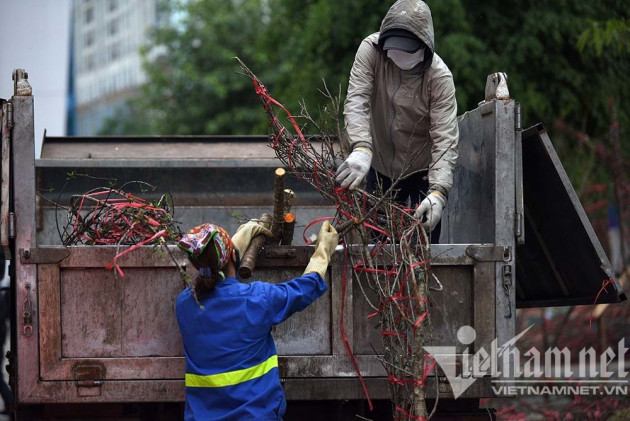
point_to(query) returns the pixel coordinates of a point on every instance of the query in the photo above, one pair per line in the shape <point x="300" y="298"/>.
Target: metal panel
<point x="23" y="179"/>
<point x="450" y="309"/>
<point x="207" y="187"/>
<point x="519" y="228"/>
<point x="159" y="152"/>
<point x="126" y="325"/>
<point x="90" y="320"/>
<point x="469" y="216"/>
<point x="5" y="173"/>
<point x="119" y="317"/>
<point x="308" y="332"/>
<point x="482" y="204"/>
<point x="228" y="217"/>
<point x="505" y="216"/>
<point x="562" y="261"/>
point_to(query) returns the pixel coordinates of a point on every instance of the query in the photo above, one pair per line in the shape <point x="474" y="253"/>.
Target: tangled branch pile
<point x="108" y="216"/>
<point x="391" y="260"/>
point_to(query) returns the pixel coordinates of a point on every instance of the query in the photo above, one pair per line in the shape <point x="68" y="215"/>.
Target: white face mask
<point x="404" y="60"/>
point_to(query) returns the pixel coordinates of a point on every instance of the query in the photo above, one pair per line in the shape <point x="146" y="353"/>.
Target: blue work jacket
<point x="231" y="358"/>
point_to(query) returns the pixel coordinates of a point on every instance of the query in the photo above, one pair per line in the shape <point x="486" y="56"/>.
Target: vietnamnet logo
<point x="552" y="372"/>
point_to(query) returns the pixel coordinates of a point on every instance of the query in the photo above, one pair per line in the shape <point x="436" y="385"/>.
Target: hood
<point x="413" y="16"/>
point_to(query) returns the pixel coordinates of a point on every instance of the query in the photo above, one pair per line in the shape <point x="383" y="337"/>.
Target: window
<point x="89" y="15"/>
<point x="89" y="38"/>
<point x="112" y="5"/>
<point x="89" y="62"/>
<point x="114" y="51"/>
<point x="113" y="26"/>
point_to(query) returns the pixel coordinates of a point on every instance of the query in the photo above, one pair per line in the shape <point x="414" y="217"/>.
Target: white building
<point x="107" y="68"/>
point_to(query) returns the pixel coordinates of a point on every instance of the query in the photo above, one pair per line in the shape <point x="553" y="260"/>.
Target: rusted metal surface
<point x="89" y="378"/>
<point x="5" y="171"/>
<point x="308" y="332"/>
<point x="100" y="256"/>
<point x="23" y="179"/>
<point x="120" y="317"/>
<point x="159" y="152"/>
<point x="504" y="210"/>
<point x="490" y="253"/>
<point x="284" y="256"/>
<point x="519" y="223"/>
<point x="280" y="253"/>
<point x="43" y="255"/>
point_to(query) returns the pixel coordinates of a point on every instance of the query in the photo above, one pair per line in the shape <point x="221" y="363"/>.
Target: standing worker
<point x="401" y="115"/>
<point x="231" y="358"/>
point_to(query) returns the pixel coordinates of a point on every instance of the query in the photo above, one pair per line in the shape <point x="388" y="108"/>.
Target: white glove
<point x="246" y="232"/>
<point x="327" y="240"/>
<point x="431" y="209"/>
<point x="354" y="168"/>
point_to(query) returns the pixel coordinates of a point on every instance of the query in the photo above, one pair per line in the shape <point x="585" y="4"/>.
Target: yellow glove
<point x="327" y="240"/>
<point x="246" y="232"/>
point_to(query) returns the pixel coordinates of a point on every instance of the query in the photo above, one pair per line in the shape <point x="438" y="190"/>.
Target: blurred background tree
<point x="567" y="63"/>
<point x="563" y="59"/>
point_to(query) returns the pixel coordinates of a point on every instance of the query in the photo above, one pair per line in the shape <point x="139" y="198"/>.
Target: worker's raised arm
<point x="357" y="108"/>
<point x="444" y="133"/>
<point x="295" y="295"/>
<point x="357" y="113"/>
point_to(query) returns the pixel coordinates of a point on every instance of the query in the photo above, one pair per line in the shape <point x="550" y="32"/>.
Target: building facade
<point x="106" y="66"/>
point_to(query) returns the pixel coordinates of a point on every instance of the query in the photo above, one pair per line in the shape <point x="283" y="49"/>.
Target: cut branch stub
<point x="248" y="261"/>
<point x="288" y="229"/>
<point x="289" y="197"/>
<point x="278" y="206"/>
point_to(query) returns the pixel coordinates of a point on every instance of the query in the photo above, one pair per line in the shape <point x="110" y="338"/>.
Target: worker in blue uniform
<point x="231" y="358"/>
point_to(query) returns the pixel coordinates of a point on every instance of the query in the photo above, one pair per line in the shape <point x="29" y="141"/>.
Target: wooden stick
<point x="289" y="197"/>
<point x="278" y="206"/>
<point x="287" y="229"/>
<point x="346" y="226"/>
<point x="248" y="261"/>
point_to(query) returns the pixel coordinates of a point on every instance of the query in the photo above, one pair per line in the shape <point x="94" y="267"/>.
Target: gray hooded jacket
<point x="408" y="118"/>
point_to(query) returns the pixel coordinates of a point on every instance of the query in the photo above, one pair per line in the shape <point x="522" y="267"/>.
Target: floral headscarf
<point x="196" y="239"/>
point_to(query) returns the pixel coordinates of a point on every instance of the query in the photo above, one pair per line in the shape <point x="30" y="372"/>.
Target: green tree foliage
<point x="537" y="44"/>
<point x="194" y="87"/>
<point x="309" y="42"/>
<point x="611" y="33"/>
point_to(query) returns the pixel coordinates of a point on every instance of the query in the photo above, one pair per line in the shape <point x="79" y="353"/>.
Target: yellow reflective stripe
<point x="231" y="378"/>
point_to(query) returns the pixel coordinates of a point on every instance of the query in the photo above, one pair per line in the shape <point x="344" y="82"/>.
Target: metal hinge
<point x="517" y="118"/>
<point x="27" y="312"/>
<point x="9" y="114"/>
<point x="43" y="255"/>
<point x="279" y="253"/>
<point x="518" y="225"/>
<point x="482" y="253"/>
<point x="11" y="224"/>
<point x="507" y="286"/>
<point x="89" y="378"/>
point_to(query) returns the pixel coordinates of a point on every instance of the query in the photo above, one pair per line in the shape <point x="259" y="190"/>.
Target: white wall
<point x="35" y="36"/>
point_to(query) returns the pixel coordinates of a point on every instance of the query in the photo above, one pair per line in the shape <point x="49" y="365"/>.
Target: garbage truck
<point x="85" y="341"/>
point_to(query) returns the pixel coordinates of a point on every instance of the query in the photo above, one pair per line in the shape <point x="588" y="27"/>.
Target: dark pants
<point x="413" y="188"/>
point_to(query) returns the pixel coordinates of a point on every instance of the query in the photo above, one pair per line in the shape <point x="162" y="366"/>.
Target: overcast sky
<point x="35" y="36"/>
